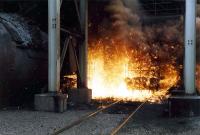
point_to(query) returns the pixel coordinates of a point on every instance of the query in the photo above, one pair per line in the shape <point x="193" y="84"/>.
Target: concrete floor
<point x="148" y="121"/>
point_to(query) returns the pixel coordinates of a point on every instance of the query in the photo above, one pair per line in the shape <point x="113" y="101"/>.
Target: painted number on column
<point x="54" y="23"/>
<point x="190" y="42"/>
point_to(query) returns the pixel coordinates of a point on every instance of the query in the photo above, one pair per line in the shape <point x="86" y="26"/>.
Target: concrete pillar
<point x="54" y="45"/>
<point x="84" y="47"/>
<point x="190" y="47"/>
<point x="53" y="101"/>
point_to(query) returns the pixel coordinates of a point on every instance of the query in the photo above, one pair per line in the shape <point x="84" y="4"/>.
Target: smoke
<point x="198" y="48"/>
<point x="198" y="10"/>
<point x="122" y="19"/>
<point x="162" y="41"/>
<point x="158" y="46"/>
<point x="150" y="51"/>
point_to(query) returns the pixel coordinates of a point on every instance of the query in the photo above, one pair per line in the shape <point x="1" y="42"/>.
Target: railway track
<point x="84" y="118"/>
<point x="88" y="116"/>
<point x="125" y="121"/>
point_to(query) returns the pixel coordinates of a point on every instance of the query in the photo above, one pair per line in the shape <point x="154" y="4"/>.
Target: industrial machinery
<point x="23" y="60"/>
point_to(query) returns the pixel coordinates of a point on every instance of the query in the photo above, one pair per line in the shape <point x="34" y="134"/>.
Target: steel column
<point x="54" y="45"/>
<point x="190" y="47"/>
<point x="84" y="47"/>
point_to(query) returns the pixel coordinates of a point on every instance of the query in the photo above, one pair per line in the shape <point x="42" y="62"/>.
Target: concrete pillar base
<point x="51" y="102"/>
<point x="80" y="96"/>
<point x="184" y="106"/>
<point x="177" y="92"/>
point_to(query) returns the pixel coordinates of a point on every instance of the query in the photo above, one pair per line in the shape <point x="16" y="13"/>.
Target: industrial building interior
<point x="99" y="67"/>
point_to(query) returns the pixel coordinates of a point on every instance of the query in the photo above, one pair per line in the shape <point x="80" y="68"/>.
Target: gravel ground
<point x="101" y="124"/>
<point x="151" y="121"/>
<point x="148" y="121"/>
<point x="35" y="123"/>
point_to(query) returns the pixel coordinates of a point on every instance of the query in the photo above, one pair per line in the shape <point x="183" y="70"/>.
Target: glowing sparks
<point x="131" y="62"/>
<point x="108" y="74"/>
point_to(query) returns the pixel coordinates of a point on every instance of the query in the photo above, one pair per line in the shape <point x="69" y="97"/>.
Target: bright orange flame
<point x="117" y="73"/>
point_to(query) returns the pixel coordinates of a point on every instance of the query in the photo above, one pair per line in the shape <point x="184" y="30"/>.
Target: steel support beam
<point x="190" y="47"/>
<point x="84" y="47"/>
<point x="54" y="45"/>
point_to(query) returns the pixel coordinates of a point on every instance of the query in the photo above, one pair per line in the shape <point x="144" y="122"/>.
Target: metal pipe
<point x="54" y="45"/>
<point x="64" y="51"/>
<point x="190" y="47"/>
<point x="77" y="11"/>
<point x="74" y="34"/>
<point x="84" y="47"/>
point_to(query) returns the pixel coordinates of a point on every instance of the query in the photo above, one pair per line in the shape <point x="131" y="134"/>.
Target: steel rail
<point x="84" y="118"/>
<point x="116" y="130"/>
<point x="121" y="125"/>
